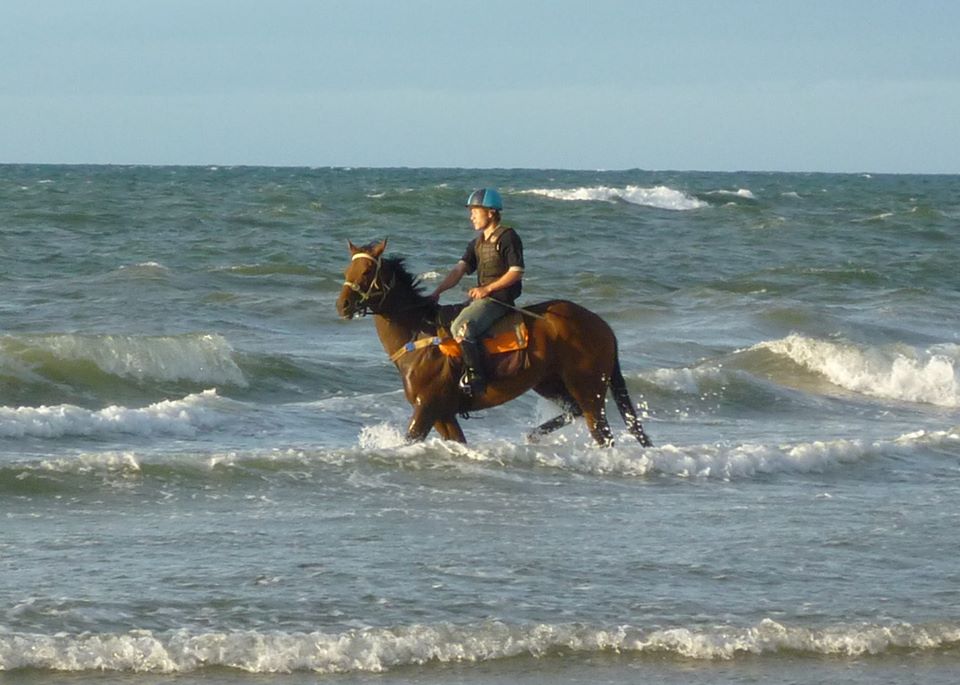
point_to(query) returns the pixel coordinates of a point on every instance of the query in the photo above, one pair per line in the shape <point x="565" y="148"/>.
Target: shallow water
<point x="203" y="476"/>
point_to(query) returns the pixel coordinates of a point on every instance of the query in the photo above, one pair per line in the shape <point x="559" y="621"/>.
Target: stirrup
<point x="472" y="385"/>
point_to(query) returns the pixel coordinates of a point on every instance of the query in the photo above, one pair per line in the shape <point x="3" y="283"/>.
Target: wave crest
<point x="200" y="358"/>
<point x="897" y="372"/>
<point x="660" y="197"/>
<point x="182" y="417"/>
<point x="721" y="461"/>
<point x="375" y="650"/>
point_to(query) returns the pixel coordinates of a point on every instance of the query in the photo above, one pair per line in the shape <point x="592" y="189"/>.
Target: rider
<point x="496" y="254"/>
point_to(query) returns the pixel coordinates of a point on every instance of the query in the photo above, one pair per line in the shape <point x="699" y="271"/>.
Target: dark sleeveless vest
<point x="489" y="265"/>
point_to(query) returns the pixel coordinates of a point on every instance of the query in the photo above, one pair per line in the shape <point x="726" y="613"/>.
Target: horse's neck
<point x="403" y="318"/>
<point x="392" y="335"/>
<point x="396" y="331"/>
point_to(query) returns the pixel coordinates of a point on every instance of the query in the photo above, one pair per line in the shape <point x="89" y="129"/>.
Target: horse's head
<point x="363" y="287"/>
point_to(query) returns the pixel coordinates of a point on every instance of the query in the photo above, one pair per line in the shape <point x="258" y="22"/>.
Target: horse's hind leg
<point x="599" y="427"/>
<point x="622" y="397"/>
<point x="591" y="395"/>
<point x="555" y="391"/>
<point x="553" y="424"/>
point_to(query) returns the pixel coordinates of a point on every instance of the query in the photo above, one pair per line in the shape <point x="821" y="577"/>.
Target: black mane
<point x="410" y="284"/>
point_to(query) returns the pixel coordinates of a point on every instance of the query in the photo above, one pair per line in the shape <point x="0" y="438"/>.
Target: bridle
<point x="365" y="303"/>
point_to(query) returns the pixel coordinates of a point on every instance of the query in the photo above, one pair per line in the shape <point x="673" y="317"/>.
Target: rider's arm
<point x="512" y="276"/>
<point x="451" y="279"/>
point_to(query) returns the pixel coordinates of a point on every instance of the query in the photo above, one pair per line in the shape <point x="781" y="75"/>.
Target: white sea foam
<point x="722" y="461"/>
<point x="201" y="358"/>
<point x="744" y="193"/>
<point x="98" y="462"/>
<point x="375" y="650"/>
<point x="385" y="443"/>
<point x="876" y="217"/>
<point x="718" y="461"/>
<point x="898" y="372"/>
<point x="381" y="436"/>
<point x="184" y="417"/>
<point x="660" y="197"/>
<point x="147" y="266"/>
<point x="686" y="380"/>
<point x="936" y="439"/>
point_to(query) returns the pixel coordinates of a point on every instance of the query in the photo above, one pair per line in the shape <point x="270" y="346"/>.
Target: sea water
<point x="204" y="477"/>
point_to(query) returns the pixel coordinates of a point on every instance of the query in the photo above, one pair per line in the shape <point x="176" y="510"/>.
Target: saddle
<point x="505" y="342"/>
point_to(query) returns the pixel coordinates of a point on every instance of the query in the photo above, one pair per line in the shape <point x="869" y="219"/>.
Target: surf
<point x="184" y="417"/>
<point x="658" y="197"/>
<point x="379" y="650"/>
<point x="888" y="372"/>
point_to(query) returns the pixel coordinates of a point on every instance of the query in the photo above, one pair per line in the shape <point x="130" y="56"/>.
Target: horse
<point x="572" y="354"/>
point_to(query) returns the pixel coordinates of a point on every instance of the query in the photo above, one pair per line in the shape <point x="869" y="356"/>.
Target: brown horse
<point x="572" y="354"/>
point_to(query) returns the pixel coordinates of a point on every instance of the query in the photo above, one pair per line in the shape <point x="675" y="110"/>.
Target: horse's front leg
<point x="449" y="429"/>
<point x="431" y="390"/>
<point x="420" y="425"/>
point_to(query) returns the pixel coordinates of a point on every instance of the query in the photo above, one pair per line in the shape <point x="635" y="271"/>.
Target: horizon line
<point x="212" y="166"/>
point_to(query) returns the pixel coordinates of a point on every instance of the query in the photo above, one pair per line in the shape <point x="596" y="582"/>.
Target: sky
<point x="712" y="85"/>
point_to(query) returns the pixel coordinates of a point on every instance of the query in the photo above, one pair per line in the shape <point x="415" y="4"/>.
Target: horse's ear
<point x="353" y="248"/>
<point x="378" y="249"/>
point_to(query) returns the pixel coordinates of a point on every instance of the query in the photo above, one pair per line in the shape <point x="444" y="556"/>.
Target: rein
<point x="375" y="284"/>
<point x="527" y="312"/>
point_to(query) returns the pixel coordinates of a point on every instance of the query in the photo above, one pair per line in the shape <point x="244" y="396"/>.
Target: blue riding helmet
<point x="485" y="197"/>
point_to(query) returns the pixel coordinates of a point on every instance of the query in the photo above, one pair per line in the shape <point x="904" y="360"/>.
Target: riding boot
<point x="472" y="382"/>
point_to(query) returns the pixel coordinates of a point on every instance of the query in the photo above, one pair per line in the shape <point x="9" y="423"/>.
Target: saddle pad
<point x="508" y="334"/>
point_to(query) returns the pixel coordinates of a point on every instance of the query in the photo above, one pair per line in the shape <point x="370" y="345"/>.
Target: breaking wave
<point x="200" y="358"/>
<point x="382" y="446"/>
<point x="184" y="417"/>
<point x="720" y="461"/>
<point x="896" y="372"/>
<point x="660" y="197"/>
<point x="375" y="650"/>
<point x="742" y="193"/>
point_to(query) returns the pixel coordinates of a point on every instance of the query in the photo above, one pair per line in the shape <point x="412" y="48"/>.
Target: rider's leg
<point x="467" y="329"/>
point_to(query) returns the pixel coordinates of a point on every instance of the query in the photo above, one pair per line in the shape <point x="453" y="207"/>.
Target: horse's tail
<point x="622" y="397"/>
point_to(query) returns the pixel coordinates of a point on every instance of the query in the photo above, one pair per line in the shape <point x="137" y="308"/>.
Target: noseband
<point x="376" y="287"/>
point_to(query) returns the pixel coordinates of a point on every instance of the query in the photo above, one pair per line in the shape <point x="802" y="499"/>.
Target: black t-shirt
<point x="510" y="251"/>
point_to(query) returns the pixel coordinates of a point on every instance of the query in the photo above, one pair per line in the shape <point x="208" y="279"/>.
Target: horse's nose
<point x="344" y="307"/>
